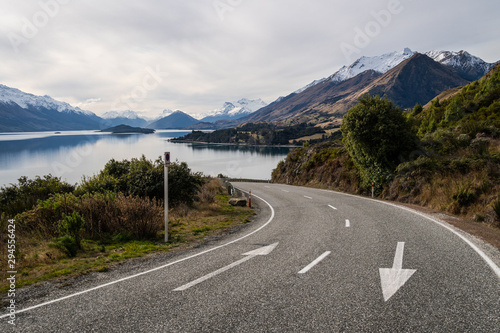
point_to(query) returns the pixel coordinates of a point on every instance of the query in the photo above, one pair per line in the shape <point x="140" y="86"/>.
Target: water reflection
<point x="46" y="144"/>
<point x="71" y="155"/>
<point x="264" y="150"/>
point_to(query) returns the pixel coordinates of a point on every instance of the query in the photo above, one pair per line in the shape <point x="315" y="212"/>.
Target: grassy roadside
<point x="40" y="260"/>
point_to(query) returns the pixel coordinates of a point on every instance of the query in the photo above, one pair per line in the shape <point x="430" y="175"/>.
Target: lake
<point x="73" y="154"/>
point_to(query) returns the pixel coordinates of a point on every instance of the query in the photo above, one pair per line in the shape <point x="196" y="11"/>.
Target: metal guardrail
<point x="247" y="180"/>
<point x="235" y="192"/>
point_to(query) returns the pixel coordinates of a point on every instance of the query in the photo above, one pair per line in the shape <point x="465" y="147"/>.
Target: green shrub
<point x="67" y="244"/>
<point x="100" y="183"/>
<point x="17" y="198"/>
<point x="182" y="184"/>
<point x="72" y="225"/>
<point x="145" y="178"/>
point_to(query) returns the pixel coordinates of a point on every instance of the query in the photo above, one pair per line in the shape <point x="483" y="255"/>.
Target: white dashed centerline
<point x="347" y="223"/>
<point x="332" y="207"/>
<point x="305" y="196"/>
<point x="314" y="263"/>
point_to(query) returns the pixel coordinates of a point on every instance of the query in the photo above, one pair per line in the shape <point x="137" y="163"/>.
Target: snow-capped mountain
<point x="20" y="111"/>
<point x="166" y="113"/>
<point x="315" y="82"/>
<point x="405" y="77"/>
<point x="128" y="114"/>
<point x="234" y="110"/>
<point x="381" y="64"/>
<point x="26" y="101"/>
<point x="468" y="66"/>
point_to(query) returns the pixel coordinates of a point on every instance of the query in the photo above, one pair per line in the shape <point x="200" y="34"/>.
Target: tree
<point x="417" y="109"/>
<point x="378" y="137"/>
<point x="17" y="198"/>
<point x="182" y="183"/>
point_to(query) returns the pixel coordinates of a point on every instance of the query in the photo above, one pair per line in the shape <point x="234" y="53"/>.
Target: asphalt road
<point x="314" y="261"/>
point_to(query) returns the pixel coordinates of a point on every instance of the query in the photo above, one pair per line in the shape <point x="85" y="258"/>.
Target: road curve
<point x="314" y="261"/>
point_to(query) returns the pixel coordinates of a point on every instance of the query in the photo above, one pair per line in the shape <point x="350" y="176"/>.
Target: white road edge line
<point x="483" y="255"/>
<point x="347" y="223"/>
<point x="151" y="270"/>
<point x="332" y="207"/>
<point x="314" y="263"/>
<point x="305" y="196"/>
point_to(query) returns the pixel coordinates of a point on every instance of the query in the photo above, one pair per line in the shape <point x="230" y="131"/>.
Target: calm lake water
<point x="72" y="154"/>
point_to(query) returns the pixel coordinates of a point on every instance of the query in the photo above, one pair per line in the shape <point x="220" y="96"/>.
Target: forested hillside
<point x="261" y="134"/>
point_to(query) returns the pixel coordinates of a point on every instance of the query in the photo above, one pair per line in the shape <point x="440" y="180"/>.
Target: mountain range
<point x="21" y="112"/>
<point x="406" y="77"/>
<point x="234" y="110"/>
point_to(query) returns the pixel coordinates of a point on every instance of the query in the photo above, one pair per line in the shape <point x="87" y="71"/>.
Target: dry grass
<point x="38" y="260"/>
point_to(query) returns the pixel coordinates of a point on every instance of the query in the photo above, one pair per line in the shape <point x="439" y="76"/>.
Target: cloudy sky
<point x="193" y="55"/>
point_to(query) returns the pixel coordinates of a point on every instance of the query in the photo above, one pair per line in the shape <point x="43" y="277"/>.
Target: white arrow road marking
<point x="332" y="207"/>
<point x="394" y="278"/>
<point x="314" y="263"/>
<point x="263" y="251"/>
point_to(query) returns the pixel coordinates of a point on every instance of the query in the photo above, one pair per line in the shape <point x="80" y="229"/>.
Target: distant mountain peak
<point x="128" y="114"/>
<point x="407" y="50"/>
<point x="465" y="64"/>
<point x="234" y="110"/>
<point x="416" y="79"/>
<point x="27" y="100"/>
<point x="381" y="64"/>
<point x="175" y="120"/>
<point x="20" y="111"/>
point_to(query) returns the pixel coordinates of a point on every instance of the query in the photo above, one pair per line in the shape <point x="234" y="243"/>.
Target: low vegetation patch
<point x="64" y="230"/>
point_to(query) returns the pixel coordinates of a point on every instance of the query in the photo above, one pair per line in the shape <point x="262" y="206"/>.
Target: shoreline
<point x="233" y="144"/>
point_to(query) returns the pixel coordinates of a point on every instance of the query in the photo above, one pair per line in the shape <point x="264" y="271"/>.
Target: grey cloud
<point x="259" y="49"/>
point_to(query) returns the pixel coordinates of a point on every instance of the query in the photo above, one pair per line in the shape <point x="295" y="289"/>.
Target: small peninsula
<point x="125" y="129"/>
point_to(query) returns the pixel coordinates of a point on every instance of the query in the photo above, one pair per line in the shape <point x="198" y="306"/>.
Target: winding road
<point x="314" y="261"/>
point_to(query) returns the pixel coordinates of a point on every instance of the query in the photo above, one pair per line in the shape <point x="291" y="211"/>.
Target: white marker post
<point x="165" y="201"/>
